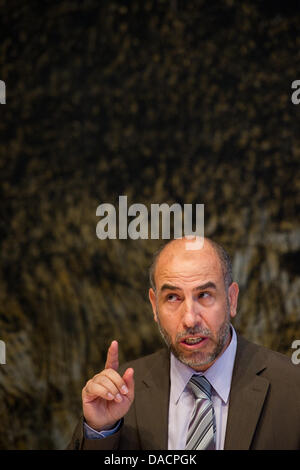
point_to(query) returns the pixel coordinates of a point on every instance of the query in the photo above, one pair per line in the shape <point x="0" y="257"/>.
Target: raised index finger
<point x="112" y="360"/>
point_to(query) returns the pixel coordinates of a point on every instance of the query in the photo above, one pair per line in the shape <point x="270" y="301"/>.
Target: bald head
<point x="176" y="249"/>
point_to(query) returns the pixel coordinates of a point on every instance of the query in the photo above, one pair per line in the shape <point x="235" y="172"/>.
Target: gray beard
<point x="200" y="358"/>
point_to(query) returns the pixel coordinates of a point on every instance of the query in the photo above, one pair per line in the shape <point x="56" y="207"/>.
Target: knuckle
<point x="110" y="374"/>
<point x="97" y="375"/>
<point x="90" y="384"/>
<point x="87" y="385"/>
<point x="85" y="390"/>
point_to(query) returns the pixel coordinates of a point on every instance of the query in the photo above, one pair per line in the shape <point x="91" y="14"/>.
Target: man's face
<point x="191" y="305"/>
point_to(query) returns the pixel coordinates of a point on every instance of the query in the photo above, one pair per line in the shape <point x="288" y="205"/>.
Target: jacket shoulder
<point x="273" y="364"/>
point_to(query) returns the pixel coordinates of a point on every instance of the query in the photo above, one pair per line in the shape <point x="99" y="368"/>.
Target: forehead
<point x="178" y="265"/>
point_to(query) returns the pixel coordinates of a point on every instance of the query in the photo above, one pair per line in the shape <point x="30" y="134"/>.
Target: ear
<point x="233" y="293"/>
<point x="152" y="298"/>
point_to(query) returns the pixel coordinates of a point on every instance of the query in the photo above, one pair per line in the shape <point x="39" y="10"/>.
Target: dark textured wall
<point x="162" y="101"/>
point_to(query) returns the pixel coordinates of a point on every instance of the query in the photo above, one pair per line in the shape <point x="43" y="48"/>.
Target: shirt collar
<point x="219" y="374"/>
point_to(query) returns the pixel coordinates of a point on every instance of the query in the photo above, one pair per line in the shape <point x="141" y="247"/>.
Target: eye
<point x="172" y="297"/>
<point x="206" y="298"/>
<point x="204" y="295"/>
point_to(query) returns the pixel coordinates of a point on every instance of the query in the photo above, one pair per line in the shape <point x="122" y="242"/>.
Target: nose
<point x="191" y="315"/>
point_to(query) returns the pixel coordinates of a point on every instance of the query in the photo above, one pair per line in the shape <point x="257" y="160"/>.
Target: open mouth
<point x="193" y="341"/>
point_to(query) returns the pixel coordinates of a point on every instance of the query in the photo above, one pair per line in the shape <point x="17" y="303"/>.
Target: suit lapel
<point x="152" y="403"/>
<point x="247" y="396"/>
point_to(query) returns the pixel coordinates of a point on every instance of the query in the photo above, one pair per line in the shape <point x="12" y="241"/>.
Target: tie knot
<point x="200" y="386"/>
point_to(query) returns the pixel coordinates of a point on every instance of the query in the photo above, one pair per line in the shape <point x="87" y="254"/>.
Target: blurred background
<point x="161" y="101"/>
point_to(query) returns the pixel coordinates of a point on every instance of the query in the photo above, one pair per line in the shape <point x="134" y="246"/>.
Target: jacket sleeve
<point x="79" y="442"/>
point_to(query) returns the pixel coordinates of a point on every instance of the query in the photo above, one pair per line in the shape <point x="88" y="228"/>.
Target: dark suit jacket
<point x="264" y="404"/>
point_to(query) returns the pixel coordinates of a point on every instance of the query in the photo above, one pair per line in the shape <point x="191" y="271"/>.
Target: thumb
<point x="128" y="378"/>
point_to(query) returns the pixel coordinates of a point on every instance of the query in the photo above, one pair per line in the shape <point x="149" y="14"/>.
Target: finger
<point x="111" y="387"/>
<point x="112" y="360"/>
<point x="114" y="378"/>
<point x="93" y="390"/>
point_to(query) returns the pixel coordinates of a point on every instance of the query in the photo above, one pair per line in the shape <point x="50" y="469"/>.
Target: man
<point x="211" y="389"/>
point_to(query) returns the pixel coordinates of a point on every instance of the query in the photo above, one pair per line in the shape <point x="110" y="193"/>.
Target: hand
<point x="107" y="397"/>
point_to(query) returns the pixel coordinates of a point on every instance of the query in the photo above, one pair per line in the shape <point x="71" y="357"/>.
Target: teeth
<point x="193" y="340"/>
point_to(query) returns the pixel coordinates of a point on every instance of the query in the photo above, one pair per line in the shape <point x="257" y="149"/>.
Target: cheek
<point x="169" y="321"/>
<point x="221" y="316"/>
<point x="215" y="317"/>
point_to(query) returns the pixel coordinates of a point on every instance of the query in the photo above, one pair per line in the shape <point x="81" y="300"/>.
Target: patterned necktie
<point x="202" y="429"/>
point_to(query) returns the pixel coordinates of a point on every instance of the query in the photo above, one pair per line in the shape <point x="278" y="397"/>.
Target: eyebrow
<point x="207" y="285"/>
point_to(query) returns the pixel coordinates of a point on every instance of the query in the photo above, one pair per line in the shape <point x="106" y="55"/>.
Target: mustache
<point x="194" y="331"/>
